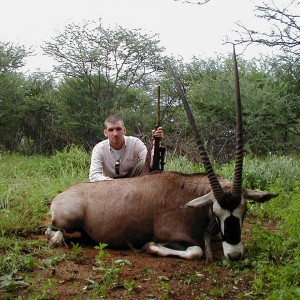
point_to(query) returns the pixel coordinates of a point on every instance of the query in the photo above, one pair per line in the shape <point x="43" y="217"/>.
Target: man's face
<point x="115" y="134"/>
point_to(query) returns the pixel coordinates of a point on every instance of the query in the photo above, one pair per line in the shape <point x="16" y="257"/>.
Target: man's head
<point x="115" y="130"/>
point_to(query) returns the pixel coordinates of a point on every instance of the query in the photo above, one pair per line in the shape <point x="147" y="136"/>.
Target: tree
<point x="11" y="93"/>
<point x="270" y="100"/>
<point x="84" y="106"/>
<point x="124" y="57"/>
<point x="100" y="68"/>
<point x="284" y="30"/>
<point x="39" y="116"/>
<point x="84" y="110"/>
<point x="11" y="57"/>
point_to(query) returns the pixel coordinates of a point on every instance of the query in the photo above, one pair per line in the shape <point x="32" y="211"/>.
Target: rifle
<point x="159" y="151"/>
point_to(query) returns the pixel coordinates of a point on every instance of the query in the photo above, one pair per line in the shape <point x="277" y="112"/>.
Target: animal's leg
<point x="55" y="238"/>
<point x="192" y="252"/>
<point x="212" y="229"/>
<point x="130" y="246"/>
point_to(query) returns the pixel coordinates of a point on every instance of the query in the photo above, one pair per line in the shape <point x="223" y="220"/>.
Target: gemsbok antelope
<point x="166" y="213"/>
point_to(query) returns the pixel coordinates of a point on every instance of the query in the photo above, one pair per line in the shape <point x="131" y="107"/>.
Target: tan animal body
<point x="153" y="208"/>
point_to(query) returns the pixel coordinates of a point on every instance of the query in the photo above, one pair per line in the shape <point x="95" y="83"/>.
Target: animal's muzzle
<point x="235" y="256"/>
<point x="233" y="252"/>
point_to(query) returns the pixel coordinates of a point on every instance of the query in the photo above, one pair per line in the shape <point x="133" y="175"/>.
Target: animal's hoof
<point x="49" y="233"/>
<point x="149" y="248"/>
<point x="153" y="248"/>
<point x="194" y="252"/>
<point x="56" y="240"/>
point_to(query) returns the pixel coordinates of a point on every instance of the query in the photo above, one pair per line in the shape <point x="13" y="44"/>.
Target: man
<point x="119" y="155"/>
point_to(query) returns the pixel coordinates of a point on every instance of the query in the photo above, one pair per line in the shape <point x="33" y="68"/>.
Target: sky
<point x="184" y="29"/>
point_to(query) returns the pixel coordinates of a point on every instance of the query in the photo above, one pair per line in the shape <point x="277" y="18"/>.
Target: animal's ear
<point x="259" y="196"/>
<point x="201" y="201"/>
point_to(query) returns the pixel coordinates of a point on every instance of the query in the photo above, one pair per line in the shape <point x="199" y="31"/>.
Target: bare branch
<point x="284" y="33"/>
<point x="194" y="2"/>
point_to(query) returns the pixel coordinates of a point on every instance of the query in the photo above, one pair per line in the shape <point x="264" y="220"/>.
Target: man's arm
<point x="96" y="167"/>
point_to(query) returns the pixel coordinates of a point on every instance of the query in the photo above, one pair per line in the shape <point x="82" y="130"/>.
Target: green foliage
<point x="76" y="253"/>
<point x="182" y="164"/>
<point x="39" y="110"/>
<point x="29" y="183"/>
<point x="11" y="57"/>
<point x="270" y="105"/>
<point x="9" y="284"/>
<point x="86" y="104"/>
<point x="11" y="95"/>
<point x="53" y="260"/>
<point x="72" y="162"/>
<point x="108" y="270"/>
<point x="164" y="287"/>
<point x="129" y="286"/>
<point x="277" y="279"/>
<point x="263" y="173"/>
<point x="123" y="56"/>
<point x="39" y="115"/>
<point x="18" y="255"/>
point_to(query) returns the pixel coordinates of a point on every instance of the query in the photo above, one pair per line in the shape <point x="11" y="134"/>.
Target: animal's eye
<point x="219" y="211"/>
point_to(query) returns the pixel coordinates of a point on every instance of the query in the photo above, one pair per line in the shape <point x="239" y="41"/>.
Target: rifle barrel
<point x="156" y="155"/>
<point x="158" y="106"/>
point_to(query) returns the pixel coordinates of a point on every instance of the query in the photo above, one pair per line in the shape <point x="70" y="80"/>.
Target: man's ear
<point x="124" y="130"/>
<point x="105" y="132"/>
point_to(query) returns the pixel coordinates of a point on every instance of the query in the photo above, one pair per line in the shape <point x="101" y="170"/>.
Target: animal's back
<point x="135" y="210"/>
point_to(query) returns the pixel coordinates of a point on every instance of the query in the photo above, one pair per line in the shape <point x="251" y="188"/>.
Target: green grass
<point x="28" y="184"/>
<point x="272" y="264"/>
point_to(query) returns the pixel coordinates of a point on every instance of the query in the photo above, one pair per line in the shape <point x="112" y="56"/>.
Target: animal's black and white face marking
<point x="230" y="220"/>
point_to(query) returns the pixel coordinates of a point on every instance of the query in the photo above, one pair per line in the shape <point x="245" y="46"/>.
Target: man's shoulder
<point x="101" y="145"/>
<point x="134" y="144"/>
<point x="132" y="139"/>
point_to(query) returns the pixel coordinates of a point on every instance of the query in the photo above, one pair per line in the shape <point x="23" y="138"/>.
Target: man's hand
<point x="158" y="133"/>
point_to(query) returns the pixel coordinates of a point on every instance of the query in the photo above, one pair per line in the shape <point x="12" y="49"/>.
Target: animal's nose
<point x="235" y="256"/>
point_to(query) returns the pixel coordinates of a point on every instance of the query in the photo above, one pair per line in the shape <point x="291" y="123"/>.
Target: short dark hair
<point x="113" y="119"/>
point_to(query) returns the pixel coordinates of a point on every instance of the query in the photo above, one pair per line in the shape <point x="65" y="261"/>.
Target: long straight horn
<point x="213" y="180"/>
<point x="239" y="155"/>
